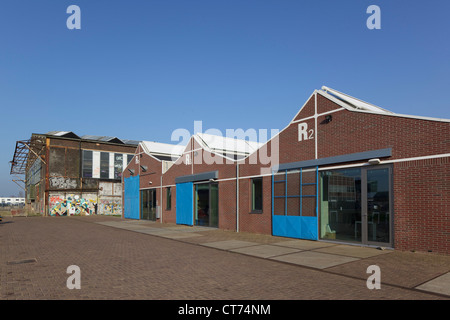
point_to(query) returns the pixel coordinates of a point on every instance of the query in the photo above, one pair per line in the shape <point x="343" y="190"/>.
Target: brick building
<point x="341" y="170"/>
<point x="66" y="174"/>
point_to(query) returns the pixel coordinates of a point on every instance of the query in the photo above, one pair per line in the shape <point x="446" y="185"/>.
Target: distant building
<point x="11" y="201"/>
<point x="69" y="175"/>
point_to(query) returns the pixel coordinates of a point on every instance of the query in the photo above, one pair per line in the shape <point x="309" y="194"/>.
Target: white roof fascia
<point x="227" y="145"/>
<point x="207" y="148"/>
<point x="357" y="103"/>
<point x="163" y="149"/>
<point x="350" y="108"/>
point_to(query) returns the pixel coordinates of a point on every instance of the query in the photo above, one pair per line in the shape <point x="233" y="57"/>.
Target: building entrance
<point x="206" y="212"/>
<point x="148" y="204"/>
<point x="356" y="205"/>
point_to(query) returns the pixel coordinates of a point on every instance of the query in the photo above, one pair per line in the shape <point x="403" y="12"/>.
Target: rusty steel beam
<point x="25" y="153"/>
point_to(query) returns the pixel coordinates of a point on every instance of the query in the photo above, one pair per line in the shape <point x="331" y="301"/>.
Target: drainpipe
<point x="237" y="197"/>
<point x="161" y="196"/>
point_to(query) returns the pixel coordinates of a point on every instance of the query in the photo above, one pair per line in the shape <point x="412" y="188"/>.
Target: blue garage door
<point x="131" y="206"/>
<point x="295" y="204"/>
<point x="185" y="203"/>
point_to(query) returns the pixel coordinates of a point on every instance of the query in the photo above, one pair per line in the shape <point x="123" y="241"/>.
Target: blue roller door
<point x="131" y="206"/>
<point x="295" y="204"/>
<point x="185" y="203"/>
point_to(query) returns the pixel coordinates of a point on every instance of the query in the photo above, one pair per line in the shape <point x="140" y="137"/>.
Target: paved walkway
<point x="130" y="259"/>
<point x="420" y="271"/>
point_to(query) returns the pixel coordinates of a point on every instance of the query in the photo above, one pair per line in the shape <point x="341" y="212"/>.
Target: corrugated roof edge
<point x="350" y="107"/>
<point x="156" y="149"/>
<point x="228" y="144"/>
<point x="72" y="135"/>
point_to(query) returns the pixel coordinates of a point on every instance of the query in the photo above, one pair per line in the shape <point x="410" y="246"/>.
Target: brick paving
<point x="122" y="264"/>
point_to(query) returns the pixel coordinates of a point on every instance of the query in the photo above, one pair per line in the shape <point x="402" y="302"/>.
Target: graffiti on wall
<point x="69" y="205"/>
<point x="107" y="201"/>
<point x="110" y="206"/>
<point x="62" y="183"/>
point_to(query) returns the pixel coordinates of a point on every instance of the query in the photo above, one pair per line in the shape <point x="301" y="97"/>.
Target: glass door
<point x="356" y="205"/>
<point x="206" y="205"/>
<point x="377" y="206"/>
<point x="152" y="205"/>
<point x="148" y="204"/>
<point x="144" y="205"/>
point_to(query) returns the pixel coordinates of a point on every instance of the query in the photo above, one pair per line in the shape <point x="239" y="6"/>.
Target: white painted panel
<point x="117" y="189"/>
<point x="96" y="164"/>
<point x="125" y="163"/>
<point x="105" y="188"/>
<point x="111" y="165"/>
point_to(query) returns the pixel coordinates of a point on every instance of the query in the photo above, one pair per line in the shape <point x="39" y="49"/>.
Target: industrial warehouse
<point x="342" y="170"/>
<point x="70" y="175"/>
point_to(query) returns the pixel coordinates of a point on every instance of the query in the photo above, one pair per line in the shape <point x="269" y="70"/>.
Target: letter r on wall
<point x="302" y="131"/>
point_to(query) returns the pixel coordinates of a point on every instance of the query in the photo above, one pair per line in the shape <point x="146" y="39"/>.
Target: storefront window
<point x="340" y="205"/>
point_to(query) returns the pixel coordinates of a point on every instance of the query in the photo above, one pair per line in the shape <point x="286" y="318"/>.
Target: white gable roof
<point x="226" y="145"/>
<point x="163" y="149"/>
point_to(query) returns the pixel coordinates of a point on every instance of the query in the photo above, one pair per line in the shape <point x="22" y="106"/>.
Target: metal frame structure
<point x="25" y="153"/>
<point x="301" y="226"/>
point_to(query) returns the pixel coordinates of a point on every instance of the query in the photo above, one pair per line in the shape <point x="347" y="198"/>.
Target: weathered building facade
<point x="70" y="175"/>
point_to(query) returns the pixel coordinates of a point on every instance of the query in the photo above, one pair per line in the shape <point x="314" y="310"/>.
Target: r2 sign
<point x="304" y="133"/>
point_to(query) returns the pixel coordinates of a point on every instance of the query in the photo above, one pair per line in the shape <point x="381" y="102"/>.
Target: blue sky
<point x="141" y="69"/>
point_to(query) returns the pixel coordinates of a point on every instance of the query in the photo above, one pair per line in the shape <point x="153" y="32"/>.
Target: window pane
<point x="293" y="206"/>
<point x="214" y="205"/>
<point x="257" y="194"/>
<point x="87" y="164"/>
<point x="340" y="204"/>
<point x="118" y="165"/>
<point x="293" y="183"/>
<point x="278" y="206"/>
<point x="378" y="221"/>
<point x="129" y="158"/>
<point x="169" y="198"/>
<point x="104" y="165"/>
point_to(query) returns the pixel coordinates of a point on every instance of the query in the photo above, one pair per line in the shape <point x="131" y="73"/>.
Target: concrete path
<point x="420" y="271"/>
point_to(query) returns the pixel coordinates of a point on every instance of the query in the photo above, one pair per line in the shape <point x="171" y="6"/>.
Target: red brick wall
<point x="422" y="205"/>
<point x="204" y="161"/>
<point x="421" y="188"/>
<point x="255" y="222"/>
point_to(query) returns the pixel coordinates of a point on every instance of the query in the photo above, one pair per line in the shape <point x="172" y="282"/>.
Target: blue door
<point x="131" y="198"/>
<point x="295" y="204"/>
<point x="185" y="203"/>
